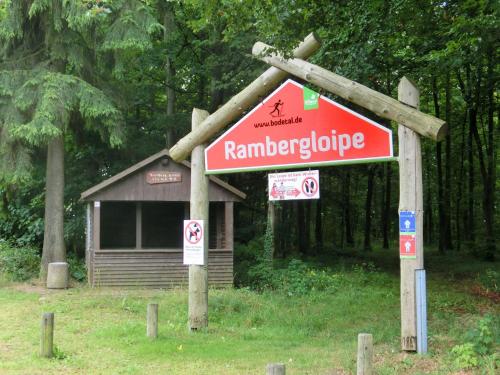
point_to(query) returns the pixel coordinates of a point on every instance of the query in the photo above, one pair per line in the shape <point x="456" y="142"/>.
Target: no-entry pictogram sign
<point x="293" y="185"/>
<point x="310" y="186"/>
<point x="193" y="242"/>
<point x="296" y="127"/>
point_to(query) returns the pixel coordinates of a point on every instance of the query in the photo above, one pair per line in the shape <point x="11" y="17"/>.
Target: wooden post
<point x="228" y="222"/>
<point x="275" y="369"/>
<point x="198" y="275"/>
<point x="47" y="337"/>
<point x="89" y="252"/>
<point x="152" y="320"/>
<point x="97" y="226"/>
<point x="365" y="354"/>
<point x="138" y="225"/>
<point x="410" y="199"/>
<point x="382" y="105"/>
<point x="251" y="94"/>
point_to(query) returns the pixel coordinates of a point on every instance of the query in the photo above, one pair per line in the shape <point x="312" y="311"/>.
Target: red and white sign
<point x="293" y="185"/>
<point x="407" y="246"/>
<point x="194" y="242"/>
<point x="286" y="131"/>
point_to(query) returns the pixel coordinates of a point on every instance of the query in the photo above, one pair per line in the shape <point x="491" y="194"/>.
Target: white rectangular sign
<point x="193" y="242"/>
<point x="293" y="185"/>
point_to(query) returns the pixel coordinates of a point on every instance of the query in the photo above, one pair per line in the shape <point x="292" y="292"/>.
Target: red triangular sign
<point x="296" y="127"/>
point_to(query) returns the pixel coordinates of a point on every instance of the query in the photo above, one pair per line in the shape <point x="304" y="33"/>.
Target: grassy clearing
<point x="102" y="331"/>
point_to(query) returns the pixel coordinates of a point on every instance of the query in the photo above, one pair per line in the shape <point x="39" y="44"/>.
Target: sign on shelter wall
<point x="296" y="127"/>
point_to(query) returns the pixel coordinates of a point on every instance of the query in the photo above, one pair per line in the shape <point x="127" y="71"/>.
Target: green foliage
<point x="77" y="268"/>
<point x="479" y="346"/>
<point x="489" y="279"/>
<point x="297" y="278"/>
<point x="19" y="263"/>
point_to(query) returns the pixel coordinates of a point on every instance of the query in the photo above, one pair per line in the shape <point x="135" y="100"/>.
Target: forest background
<point x="91" y="87"/>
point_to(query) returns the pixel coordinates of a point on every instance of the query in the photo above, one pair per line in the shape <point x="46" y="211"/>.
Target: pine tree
<point x="60" y="64"/>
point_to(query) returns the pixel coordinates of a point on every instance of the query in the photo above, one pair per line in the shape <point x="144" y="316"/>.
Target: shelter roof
<point x="106" y="187"/>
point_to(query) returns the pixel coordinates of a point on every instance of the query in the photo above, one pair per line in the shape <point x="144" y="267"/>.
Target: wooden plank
<point x="239" y="103"/>
<point x="152" y="251"/>
<point x="380" y="104"/>
<point x="410" y="199"/>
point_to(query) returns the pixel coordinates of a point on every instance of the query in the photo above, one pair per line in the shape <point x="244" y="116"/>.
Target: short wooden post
<point x="47" y="337"/>
<point x="198" y="275"/>
<point x="365" y="354"/>
<point x="275" y="369"/>
<point x="152" y="320"/>
<point x="410" y="199"/>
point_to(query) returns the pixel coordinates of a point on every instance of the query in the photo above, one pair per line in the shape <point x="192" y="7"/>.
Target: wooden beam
<point x="380" y="104"/>
<point x="410" y="199"/>
<point x="198" y="275"/>
<point x="263" y="85"/>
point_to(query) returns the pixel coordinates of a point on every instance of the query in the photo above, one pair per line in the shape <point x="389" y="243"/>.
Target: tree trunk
<point x="470" y="224"/>
<point x="368" y="209"/>
<point x="439" y="164"/>
<point x="461" y="182"/>
<point x="349" y="239"/>
<point x="169" y="26"/>
<point x="318" y="228"/>
<point x="489" y="194"/>
<point x="301" y="227"/>
<point x="271" y="230"/>
<point x="307" y="228"/>
<point x="448" y="243"/>
<point x="54" y="249"/>
<point x="386" y="212"/>
<point x="428" y="212"/>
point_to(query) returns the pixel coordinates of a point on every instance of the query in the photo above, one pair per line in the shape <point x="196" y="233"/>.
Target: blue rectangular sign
<point x="407" y="222"/>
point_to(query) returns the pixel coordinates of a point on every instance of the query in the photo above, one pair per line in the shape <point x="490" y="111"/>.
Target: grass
<point x="102" y="331"/>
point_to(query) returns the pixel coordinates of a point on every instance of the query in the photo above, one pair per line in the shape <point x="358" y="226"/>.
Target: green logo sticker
<point x="310" y="99"/>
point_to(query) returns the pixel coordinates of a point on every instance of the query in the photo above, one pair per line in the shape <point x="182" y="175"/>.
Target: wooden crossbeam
<point x="239" y="103"/>
<point x="380" y="104"/>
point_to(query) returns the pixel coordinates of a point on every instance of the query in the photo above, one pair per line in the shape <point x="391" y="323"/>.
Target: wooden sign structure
<point x="205" y="126"/>
<point x="405" y="112"/>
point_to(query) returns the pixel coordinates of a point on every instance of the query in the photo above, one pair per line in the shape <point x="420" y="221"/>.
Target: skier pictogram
<point x="277" y="108"/>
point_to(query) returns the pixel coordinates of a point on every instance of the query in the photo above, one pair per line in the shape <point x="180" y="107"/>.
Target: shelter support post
<point x="228" y="222"/>
<point x="410" y="199"/>
<point x="97" y="226"/>
<point x="89" y="242"/>
<point x="198" y="274"/>
<point x="138" y="225"/>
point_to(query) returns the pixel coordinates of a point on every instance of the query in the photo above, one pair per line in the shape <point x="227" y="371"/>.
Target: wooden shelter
<point x="135" y="224"/>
